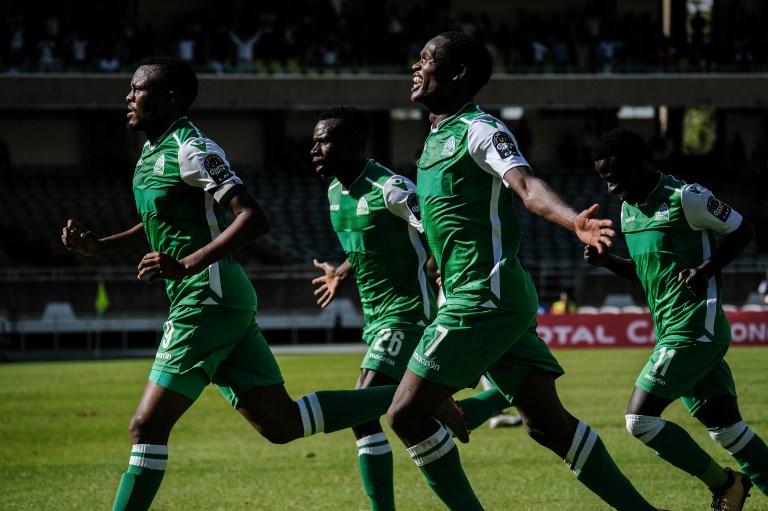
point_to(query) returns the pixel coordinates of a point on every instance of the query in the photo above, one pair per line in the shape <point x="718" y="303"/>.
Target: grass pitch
<point x="64" y="443"/>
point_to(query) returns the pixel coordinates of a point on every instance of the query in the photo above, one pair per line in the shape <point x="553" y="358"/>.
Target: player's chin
<point x="417" y="92"/>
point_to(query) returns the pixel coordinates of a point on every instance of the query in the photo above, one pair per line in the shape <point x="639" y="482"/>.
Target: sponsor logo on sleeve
<point x="216" y="168"/>
<point x="719" y="209"/>
<point x="412" y="203"/>
<point x="504" y="145"/>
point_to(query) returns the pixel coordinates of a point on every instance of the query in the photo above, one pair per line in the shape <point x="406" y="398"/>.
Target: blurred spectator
<point x="16" y="42"/>
<point x="186" y="46"/>
<point x="563" y="306"/>
<point x="110" y="62"/>
<point x="244" y="42"/>
<point x="46" y="48"/>
<point x="291" y="32"/>
<point x="78" y="49"/>
<point x="762" y="288"/>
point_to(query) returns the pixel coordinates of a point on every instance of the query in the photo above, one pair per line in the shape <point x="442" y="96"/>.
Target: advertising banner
<point x="749" y="328"/>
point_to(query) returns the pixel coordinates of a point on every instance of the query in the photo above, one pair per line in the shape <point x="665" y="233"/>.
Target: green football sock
<point x="594" y="468"/>
<point x="327" y="411"/>
<point x="438" y="459"/>
<point x="139" y="484"/>
<point x="481" y="407"/>
<point x="675" y="446"/>
<point x="376" y="469"/>
<point x="747" y="449"/>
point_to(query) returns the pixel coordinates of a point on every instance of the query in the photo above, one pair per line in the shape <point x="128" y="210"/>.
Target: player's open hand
<point x="158" y="265"/>
<point x="595" y="232"/>
<point x="78" y="238"/>
<point x="696" y="280"/>
<point x="327" y="284"/>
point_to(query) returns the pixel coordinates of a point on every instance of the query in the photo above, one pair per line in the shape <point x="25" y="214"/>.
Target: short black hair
<point x="353" y="122"/>
<point x="177" y="75"/>
<point x="619" y="143"/>
<point x="466" y="49"/>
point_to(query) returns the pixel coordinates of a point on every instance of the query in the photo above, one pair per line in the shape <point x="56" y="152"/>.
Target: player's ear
<point x="461" y="73"/>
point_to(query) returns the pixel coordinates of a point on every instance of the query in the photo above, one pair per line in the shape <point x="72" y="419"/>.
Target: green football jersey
<point x="177" y="184"/>
<point x="378" y="226"/>
<point x="674" y="229"/>
<point x="468" y="214"/>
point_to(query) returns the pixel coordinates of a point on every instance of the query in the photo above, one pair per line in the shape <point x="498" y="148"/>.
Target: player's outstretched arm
<point x="330" y="282"/>
<point x="78" y="238"/>
<point x="541" y="199"/>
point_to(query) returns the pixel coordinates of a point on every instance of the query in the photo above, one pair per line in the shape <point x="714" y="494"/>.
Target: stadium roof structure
<point x="311" y="92"/>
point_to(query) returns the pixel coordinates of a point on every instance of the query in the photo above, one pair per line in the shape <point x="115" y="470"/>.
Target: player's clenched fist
<point x="78" y="238"/>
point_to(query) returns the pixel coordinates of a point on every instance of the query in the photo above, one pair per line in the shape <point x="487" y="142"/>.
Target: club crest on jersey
<point x="504" y="145"/>
<point x="719" y="209"/>
<point x="216" y="168"/>
<point x="449" y="148"/>
<point x="362" y="206"/>
<point x="159" y="166"/>
<point x="662" y="213"/>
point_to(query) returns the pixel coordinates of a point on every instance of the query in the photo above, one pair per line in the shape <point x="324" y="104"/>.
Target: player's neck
<point x="356" y="170"/>
<point x="448" y="108"/>
<point x="161" y="127"/>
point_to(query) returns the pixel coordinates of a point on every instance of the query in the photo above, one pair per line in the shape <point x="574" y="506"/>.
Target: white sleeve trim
<point x="493" y="146"/>
<point x="704" y="211"/>
<point x="202" y="164"/>
<point x="400" y="198"/>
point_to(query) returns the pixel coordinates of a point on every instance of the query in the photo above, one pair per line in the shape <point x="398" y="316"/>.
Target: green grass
<point x="64" y="443"/>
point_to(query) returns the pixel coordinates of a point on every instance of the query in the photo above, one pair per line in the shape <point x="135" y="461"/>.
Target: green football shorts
<point x="391" y="342"/>
<point x="202" y="345"/>
<point x="464" y="342"/>
<point x="690" y="370"/>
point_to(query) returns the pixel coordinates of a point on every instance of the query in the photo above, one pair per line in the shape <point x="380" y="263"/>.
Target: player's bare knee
<point x="278" y="435"/>
<point x="142" y="429"/>
<point x="397" y="417"/>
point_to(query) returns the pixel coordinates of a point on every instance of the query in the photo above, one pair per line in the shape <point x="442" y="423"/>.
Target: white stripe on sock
<point x="304" y="417"/>
<point x="138" y="458"/>
<point x="585" y="452"/>
<point x="373" y="445"/>
<point x="422" y="453"/>
<point x="727" y="436"/>
<point x="580" y="429"/>
<point x="317" y="412"/>
<point x="644" y="427"/>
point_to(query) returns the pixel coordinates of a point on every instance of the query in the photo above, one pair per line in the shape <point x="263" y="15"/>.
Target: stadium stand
<point x="570" y="66"/>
